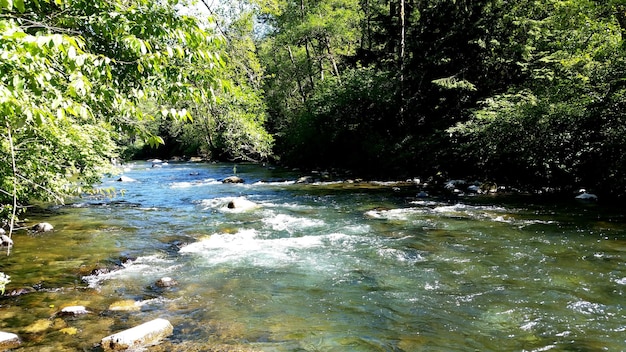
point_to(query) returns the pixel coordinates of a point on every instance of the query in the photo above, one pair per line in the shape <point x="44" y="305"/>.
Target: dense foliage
<point x="563" y="124"/>
<point x="525" y="93"/>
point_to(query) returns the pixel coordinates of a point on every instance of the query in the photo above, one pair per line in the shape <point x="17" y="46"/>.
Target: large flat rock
<point x="146" y="334"/>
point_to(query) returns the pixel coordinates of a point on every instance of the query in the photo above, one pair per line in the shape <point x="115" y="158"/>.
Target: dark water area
<point x="327" y="266"/>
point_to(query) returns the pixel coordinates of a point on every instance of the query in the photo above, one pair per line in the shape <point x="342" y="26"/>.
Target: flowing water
<point x="318" y="267"/>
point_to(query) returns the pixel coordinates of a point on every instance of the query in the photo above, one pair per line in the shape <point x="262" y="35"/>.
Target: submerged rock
<point x="150" y="333"/>
<point x="38" y="326"/>
<point x="42" y="227"/>
<point x="127" y="305"/>
<point x="8" y="341"/>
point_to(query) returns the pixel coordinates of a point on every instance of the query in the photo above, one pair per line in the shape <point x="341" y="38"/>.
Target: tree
<point x="74" y="74"/>
<point x="562" y="126"/>
<point x="232" y="126"/>
<point x="433" y="53"/>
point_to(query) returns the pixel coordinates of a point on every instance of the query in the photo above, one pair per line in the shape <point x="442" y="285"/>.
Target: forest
<point x="531" y="94"/>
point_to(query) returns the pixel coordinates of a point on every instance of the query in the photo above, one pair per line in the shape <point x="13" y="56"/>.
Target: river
<point x="329" y="266"/>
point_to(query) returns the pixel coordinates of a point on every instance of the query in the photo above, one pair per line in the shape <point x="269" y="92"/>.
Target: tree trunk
<point x="293" y="61"/>
<point x="306" y="48"/>
<point x="309" y="63"/>
<point x="620" y="14"/>
<point x="401" y="57"/>
<point x="366" y="34"/>
<point x="14" y="193"/>
<point x="332" y="59"/>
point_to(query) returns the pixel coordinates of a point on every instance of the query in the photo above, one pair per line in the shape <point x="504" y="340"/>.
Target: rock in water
<point x="73" y="311"/>
<point x="8" y="341"/>
<point x="241" y="204"/>
<point x="126" y="179"/>
<point x="587" y="196"/>
<point x="305" y="179"/>
<point x="5" y="241"/>
<point x="166" y="282"/>
<point x="146" y="334"/>
<point x="233" y="179"/>
<point x="43" y="227"/>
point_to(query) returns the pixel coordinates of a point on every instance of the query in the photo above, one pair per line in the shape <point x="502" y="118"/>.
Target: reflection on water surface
<point x="319" y="267"/>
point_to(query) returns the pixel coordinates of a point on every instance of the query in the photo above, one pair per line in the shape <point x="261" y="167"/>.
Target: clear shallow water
<point x="322" y="267"/>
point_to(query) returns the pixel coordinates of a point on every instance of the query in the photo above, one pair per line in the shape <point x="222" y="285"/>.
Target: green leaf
<point x="19" y="5"/>
<point x="18" y="83"/>
<point x="155" y="141"/>
<point x="6" y="4"/>
<point x="71" y="53"/>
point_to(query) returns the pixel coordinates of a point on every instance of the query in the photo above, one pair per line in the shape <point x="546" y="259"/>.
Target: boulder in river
<point x="166" y="282"/>
<point x="126" y="179"/>
<point x="233" y="179"/>
<point x="147" y="334"/>
<point x="8" y="341"/>
<point x="305" y="179"/>
<point x="241" y="204"/>
<point x="42" y="227"/>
